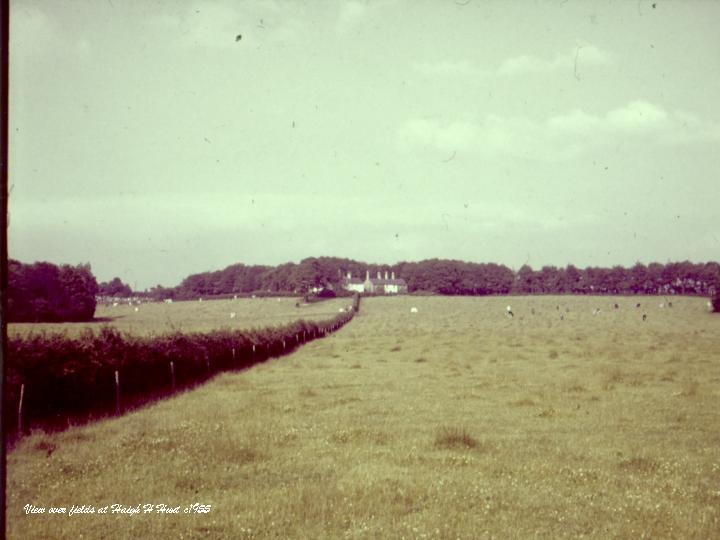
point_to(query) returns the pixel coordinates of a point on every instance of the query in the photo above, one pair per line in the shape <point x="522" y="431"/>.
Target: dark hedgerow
<point x="74" y="379"/>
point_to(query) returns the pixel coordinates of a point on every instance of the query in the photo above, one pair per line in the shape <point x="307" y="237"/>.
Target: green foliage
<point x="73" y="378"/>
<point x="451" y="277"/>
<point x="44" y="292"/>
<point x="115" y="287"/>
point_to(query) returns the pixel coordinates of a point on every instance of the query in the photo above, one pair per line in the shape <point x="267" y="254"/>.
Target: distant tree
<point x="44" y="292"/>
<point x="114" y="287"/>
<point x="525" y="280"/>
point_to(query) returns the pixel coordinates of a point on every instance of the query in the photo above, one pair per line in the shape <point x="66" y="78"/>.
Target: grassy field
<point x="453" y="422"/>
<point x="194" y="316"/>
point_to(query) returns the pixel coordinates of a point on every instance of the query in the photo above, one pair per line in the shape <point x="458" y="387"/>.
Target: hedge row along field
<point x="53" y="379"/>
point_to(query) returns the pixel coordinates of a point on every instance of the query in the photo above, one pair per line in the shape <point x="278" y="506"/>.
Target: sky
<point x="155" y="139"/>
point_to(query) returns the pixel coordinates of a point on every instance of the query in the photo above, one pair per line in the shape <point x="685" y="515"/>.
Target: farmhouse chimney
<point x="349" y="275"/>
<point x="367" y="275"/>
<point x="393" y="275"/>
<point x="386" y="274"/>
<point x="379" y="274"/>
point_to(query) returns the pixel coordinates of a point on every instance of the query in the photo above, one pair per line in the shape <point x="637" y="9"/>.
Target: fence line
<point x="54" y="377"/>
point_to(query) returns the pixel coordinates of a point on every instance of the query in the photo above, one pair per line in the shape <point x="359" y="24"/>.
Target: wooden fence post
<point x="20" y="404"/>
<point x="172" y="374"/>
<point x="233" y="354"/>
<point x="117" y="392"/>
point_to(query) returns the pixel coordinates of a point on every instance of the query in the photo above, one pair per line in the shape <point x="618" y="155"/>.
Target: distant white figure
<point x="413" y="310"/>
<point x="662" y="305"/>
<point x="137" y="309"/>
<point x="508" y="311"/>
<point x="253" y="296"/>
<point x="595" y="311"/>
<point x="232" y="314"/>
<point x="709" y="305"/>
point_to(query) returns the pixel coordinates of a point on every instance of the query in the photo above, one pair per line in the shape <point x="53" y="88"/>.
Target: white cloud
<point x="560" y="137"/>
<point x="579" y="58"/>
<point x="574" y="61"/>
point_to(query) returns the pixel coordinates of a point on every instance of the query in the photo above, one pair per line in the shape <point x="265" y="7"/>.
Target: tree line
<point x="451" y="277"/>
<point x="44" y="292"/>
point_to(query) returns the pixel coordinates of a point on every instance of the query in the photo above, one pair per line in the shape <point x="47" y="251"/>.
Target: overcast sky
<point x="151" y="140"/>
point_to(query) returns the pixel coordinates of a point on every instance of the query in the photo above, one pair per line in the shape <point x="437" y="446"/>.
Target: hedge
<point x="64" y="379"/>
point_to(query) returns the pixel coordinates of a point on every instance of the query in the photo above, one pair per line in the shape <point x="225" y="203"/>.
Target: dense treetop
<point x="453" y="277"/>
<point x="44" y="292"/>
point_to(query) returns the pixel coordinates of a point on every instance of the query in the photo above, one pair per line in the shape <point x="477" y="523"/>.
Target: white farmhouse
<point x="387" y="285"/>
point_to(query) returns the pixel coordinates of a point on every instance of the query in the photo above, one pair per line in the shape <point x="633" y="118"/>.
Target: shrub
<point x="74" y="378"/>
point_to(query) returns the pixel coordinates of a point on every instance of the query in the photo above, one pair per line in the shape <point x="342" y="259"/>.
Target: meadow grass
<point x="453" y="422"/>
<point x="193" y="316"/>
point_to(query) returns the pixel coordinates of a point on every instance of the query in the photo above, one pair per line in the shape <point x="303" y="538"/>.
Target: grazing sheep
<point x="413" y="310"/>
<point x="616" y="306"/>
<point x="137" y="309"/>
<point x="532" y="310"/>
<point x="662" y="305"/>
<point x="595" y="311"/>
<point x="637" y="305"/>
<point x="115" y="304"/>
<point x="341" y="310"/>
<point x="199" y="299"/>
<point x="669" y="304"/>
<point x="232" y="314"/>
<point x="644" y="316"/>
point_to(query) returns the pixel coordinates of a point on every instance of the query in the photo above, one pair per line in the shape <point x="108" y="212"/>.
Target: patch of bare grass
<point x="306" y="391"/>
<point x="454" y="438"/>
<point x="639" y="465"/>
<point x="46" y="446"/>
<point x="690" y="389"/>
